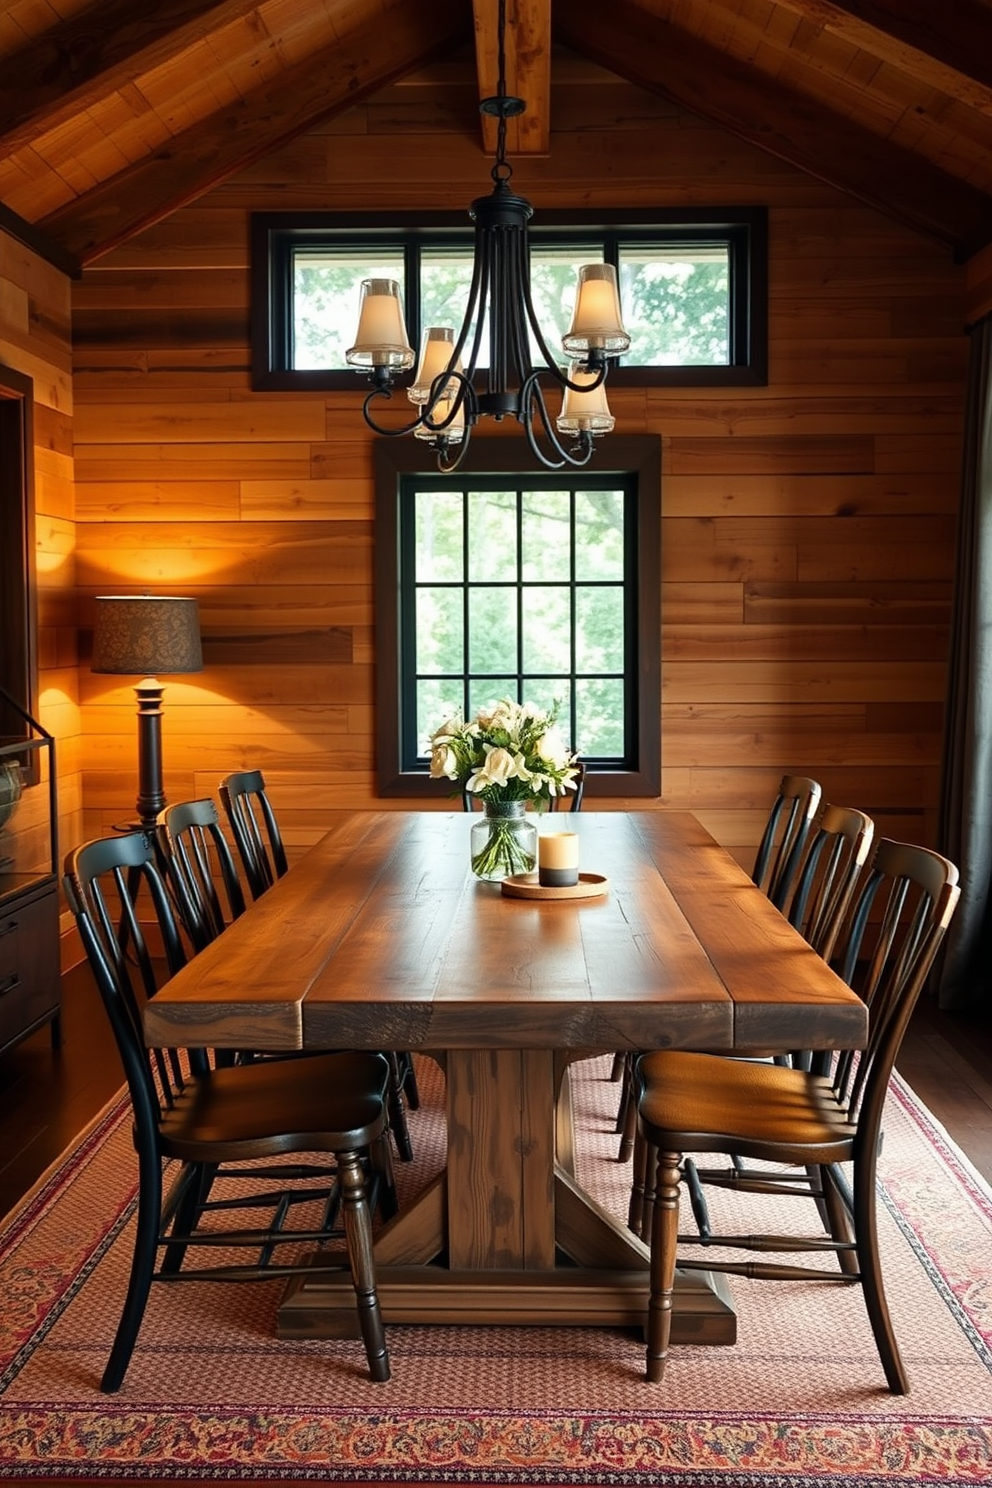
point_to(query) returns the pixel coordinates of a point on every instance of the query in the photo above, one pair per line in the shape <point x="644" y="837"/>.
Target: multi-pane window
<point x="522" y="588"/>
<point x="503" y="582"/>
<point x="693" y="294"/>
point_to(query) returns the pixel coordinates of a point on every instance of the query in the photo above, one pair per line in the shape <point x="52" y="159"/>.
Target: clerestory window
<point x="693" y="289"/>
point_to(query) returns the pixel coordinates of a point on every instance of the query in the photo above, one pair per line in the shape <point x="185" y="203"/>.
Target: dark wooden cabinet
<point x="29" y="962"/>
<point x="30" y="980"/>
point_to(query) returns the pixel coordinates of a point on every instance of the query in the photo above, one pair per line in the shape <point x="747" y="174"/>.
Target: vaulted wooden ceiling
<point x="114" y="113"/>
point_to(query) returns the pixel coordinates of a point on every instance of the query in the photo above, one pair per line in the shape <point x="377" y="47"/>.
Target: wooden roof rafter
<point x="660" y="57"/>
<point x="193" y="162"/>
<point x="948" y="47"/>
<point x="95" y="52"/>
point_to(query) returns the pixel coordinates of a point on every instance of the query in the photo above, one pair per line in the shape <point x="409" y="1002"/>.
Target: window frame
<point x="275" y="236"/>
<point x="18" y="579"/>
<point x="637" y="455"/>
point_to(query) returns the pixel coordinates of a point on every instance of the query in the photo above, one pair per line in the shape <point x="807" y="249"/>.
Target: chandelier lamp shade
<point x="446" y="391"/>
<point x="144" y="636"/>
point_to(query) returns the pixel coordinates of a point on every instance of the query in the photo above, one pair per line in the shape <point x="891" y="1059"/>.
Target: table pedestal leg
<point x="506" y="1236"/>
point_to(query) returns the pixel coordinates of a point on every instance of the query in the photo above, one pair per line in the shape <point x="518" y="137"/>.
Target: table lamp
<point x="144" y="635"/>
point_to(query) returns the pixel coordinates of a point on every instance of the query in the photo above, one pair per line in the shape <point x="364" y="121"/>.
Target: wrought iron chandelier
<point x="445" y="390"/>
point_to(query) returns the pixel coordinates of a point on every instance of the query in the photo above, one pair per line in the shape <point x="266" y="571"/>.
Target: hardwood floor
<point x="47" y="1096"/>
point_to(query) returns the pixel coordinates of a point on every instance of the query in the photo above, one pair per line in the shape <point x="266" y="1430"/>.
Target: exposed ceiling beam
<point x="187" y="165"/>
<point x="33" y="238"/>
<point x="948" y="47"/>
<point x="658" y="56"/>
<point x="528" y="72"/>
<point x="95" y="52"/>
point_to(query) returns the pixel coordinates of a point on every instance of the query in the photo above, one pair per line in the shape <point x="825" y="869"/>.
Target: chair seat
<point x="707" y="1103"/>
<point x="235" y="1113"/>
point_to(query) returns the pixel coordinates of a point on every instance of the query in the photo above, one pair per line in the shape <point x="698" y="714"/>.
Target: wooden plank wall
<point x="36" y="340"/>
<point x="808" y="526"/>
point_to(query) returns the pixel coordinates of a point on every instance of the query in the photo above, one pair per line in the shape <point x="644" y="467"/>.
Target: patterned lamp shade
<point x="146" y="635"/>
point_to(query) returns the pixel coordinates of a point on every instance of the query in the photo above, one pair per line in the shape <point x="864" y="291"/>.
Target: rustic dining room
<point x="495" y="742"/>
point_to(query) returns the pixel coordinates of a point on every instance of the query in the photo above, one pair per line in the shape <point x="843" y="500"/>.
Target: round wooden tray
<point x="526" y="886"/>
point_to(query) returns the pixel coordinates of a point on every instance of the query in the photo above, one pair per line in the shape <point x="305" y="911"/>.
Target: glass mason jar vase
<point x="503" y="841"/>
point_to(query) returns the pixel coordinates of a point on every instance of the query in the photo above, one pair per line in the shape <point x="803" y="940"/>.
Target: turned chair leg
<point x="664" y="1243"/>
<point x="358" y="1237"/>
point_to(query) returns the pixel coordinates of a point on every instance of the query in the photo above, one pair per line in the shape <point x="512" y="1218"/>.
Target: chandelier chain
<point x="502" y="170"/>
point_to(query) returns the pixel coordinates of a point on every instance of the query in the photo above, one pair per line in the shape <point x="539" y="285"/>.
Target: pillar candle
<point x="558" y="859"/>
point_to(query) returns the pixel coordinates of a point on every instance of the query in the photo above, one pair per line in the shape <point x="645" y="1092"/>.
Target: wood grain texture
<point x="798" y="518"/>
<point x="35" y="340"/>
<point x="382" y="938"/>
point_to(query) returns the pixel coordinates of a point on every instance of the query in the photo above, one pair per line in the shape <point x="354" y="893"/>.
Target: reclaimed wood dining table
<point x="380" y="937"/>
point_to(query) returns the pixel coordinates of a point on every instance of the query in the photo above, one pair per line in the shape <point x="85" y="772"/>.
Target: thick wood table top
<point x="381" y="938"/>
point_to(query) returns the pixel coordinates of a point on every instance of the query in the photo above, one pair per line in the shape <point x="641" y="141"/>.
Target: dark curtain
<point x="965" y="823"/>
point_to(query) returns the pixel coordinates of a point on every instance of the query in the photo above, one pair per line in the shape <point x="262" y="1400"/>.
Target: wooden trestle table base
<point x="381" y="938"/>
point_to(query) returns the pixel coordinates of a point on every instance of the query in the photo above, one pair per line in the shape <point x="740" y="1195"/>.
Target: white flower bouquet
<point x="509" y="752"/>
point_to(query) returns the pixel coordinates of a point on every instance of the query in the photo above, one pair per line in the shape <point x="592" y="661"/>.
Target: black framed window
<point x="543" y="587"/>
<point x="693" y="289"/>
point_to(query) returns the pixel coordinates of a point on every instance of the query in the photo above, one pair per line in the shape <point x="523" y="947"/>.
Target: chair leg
<point x="639" y="1208"/>
<point x="624" y="1101"/>
<point x="410" y="1087"/>
<point x="617" y="1067"/>
<point x="381" y="1160"/>
<point x="838" y="1220"/>
<point x="629" y="1117"/>
<point x="871" y="1278"/>
<point x="358" y="1236"/>
<point x="198" y="1185"/>
<point x="664" y="1243"/>
<point x="397" y="1109"/>
<point x="142" y="1270"/>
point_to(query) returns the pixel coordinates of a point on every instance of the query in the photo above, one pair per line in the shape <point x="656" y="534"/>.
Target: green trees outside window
<point x="522" y="590"/>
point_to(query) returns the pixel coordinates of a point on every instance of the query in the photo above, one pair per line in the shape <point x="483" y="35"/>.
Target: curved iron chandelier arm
<point x="531" y="396"/>
<point x="384" y="390"/>
<point x="443" y="448"/>
<point x="464" y="399"/>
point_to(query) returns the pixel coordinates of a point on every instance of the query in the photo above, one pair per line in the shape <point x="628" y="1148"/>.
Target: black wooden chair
<point x="197" y="1123"/>
<point x="254" y="828"/>
<point x="835" y="859"/>
<point x="202" y="870"/>
<point x="813" y="1120"/>
<point x="260" y="848"/>
<point x="824" y="881"/>
<point x="780" y="851"/>
<point x="829" y="872"/>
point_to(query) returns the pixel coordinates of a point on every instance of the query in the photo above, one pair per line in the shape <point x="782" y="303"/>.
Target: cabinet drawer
<point x="29" y="964"/>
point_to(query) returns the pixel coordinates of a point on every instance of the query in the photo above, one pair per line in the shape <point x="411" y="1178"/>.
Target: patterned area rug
<point x="212" y="1396"/>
